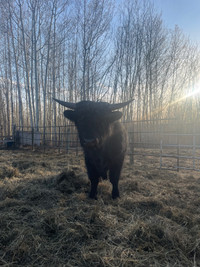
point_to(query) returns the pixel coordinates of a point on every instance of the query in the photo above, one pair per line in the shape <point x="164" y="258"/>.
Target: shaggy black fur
<point x="103" y="139"/>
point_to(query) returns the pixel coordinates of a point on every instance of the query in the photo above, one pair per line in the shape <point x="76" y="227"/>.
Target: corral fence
<point x="63" y="138"/>
<point x="170" y="143"/>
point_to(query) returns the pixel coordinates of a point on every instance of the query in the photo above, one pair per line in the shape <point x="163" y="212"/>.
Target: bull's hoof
<point x="92" y="196"/>
<point x="114" y="196"/>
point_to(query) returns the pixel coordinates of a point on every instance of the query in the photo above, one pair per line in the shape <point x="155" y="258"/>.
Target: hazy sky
<point x="184" y="13"/>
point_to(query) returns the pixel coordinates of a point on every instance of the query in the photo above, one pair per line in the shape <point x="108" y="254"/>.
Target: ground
<point x="47" y="218"/>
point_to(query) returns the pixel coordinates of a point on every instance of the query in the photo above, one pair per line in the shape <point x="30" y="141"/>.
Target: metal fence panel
<point x="160" y="139"/>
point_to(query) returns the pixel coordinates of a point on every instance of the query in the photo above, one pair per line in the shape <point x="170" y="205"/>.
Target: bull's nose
<point x="90" y="142"/>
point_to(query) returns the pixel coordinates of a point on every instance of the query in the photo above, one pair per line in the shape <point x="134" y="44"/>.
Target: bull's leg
<point x="94" y="184"/>
<point x="114" y="179"/>
<point x="93" y="175"/>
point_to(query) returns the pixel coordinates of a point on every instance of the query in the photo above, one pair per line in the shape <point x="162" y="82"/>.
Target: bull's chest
<point x="100" y="162"/>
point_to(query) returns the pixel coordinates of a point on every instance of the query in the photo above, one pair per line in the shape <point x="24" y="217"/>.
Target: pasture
<point x="48" y="220"/>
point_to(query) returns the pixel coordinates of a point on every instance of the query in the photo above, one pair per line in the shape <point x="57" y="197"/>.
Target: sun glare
<point x="193" y="93"/>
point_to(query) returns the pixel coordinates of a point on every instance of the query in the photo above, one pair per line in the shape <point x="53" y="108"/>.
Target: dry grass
<point x="47" y="219"/>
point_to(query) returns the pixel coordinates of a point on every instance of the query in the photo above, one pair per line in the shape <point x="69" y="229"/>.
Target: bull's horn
<point x="66" y="104"/>
<point x="120" y="105"/>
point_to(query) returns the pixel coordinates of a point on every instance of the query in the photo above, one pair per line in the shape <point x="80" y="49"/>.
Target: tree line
<point x="92" y="50"/>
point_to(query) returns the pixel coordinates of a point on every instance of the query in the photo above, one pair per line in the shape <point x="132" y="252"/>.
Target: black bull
<point x="102" y="137"/>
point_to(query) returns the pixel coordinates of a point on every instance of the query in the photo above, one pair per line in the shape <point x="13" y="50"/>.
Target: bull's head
<point x="92" y="119"/>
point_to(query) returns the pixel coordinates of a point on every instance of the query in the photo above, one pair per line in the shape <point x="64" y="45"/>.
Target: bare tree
<point x="76" y="50"/>
<point x="94" y="18"/>
<point x="25" y="62"/>
<point x="10" y="10"/>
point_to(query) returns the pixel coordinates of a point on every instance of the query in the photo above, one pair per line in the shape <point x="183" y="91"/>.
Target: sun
<point x="193" y="93"/>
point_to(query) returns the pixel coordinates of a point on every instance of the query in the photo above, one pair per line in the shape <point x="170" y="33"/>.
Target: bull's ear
<point x="114" y="116"/>
<point x="70" y="114"/>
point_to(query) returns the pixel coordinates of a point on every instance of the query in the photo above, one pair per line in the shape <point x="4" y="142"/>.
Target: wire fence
<point x="173" y="144"/>
<point x="170" y="143"/>
<point x="63" y="138"/>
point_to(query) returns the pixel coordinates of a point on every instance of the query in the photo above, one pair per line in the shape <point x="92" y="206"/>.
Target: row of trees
<point x="92" y="50"/>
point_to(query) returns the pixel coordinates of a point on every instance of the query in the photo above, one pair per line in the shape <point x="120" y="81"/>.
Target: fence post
<point x="68" y="133"/>
<point x="178" y="145"/>
<point x="77" y="145"/>
<point x="22" y="142"/>
<point x="32" y="138"/>
<point x="194" y="150"/>
<point x="44" y="139"/>
<point x="59" y="139"/>
<point x="161" y="152"/>
<point x="131" y="136"/>
<point x="14" y="135"/>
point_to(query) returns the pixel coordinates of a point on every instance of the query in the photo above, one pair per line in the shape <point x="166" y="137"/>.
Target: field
<point x="47" y="219"/>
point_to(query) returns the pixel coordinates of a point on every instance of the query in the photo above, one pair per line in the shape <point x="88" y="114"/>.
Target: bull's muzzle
<point x="89" y="143"/>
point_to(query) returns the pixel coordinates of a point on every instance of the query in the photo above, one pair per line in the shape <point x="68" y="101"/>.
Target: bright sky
<point x="184" y="13"/>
